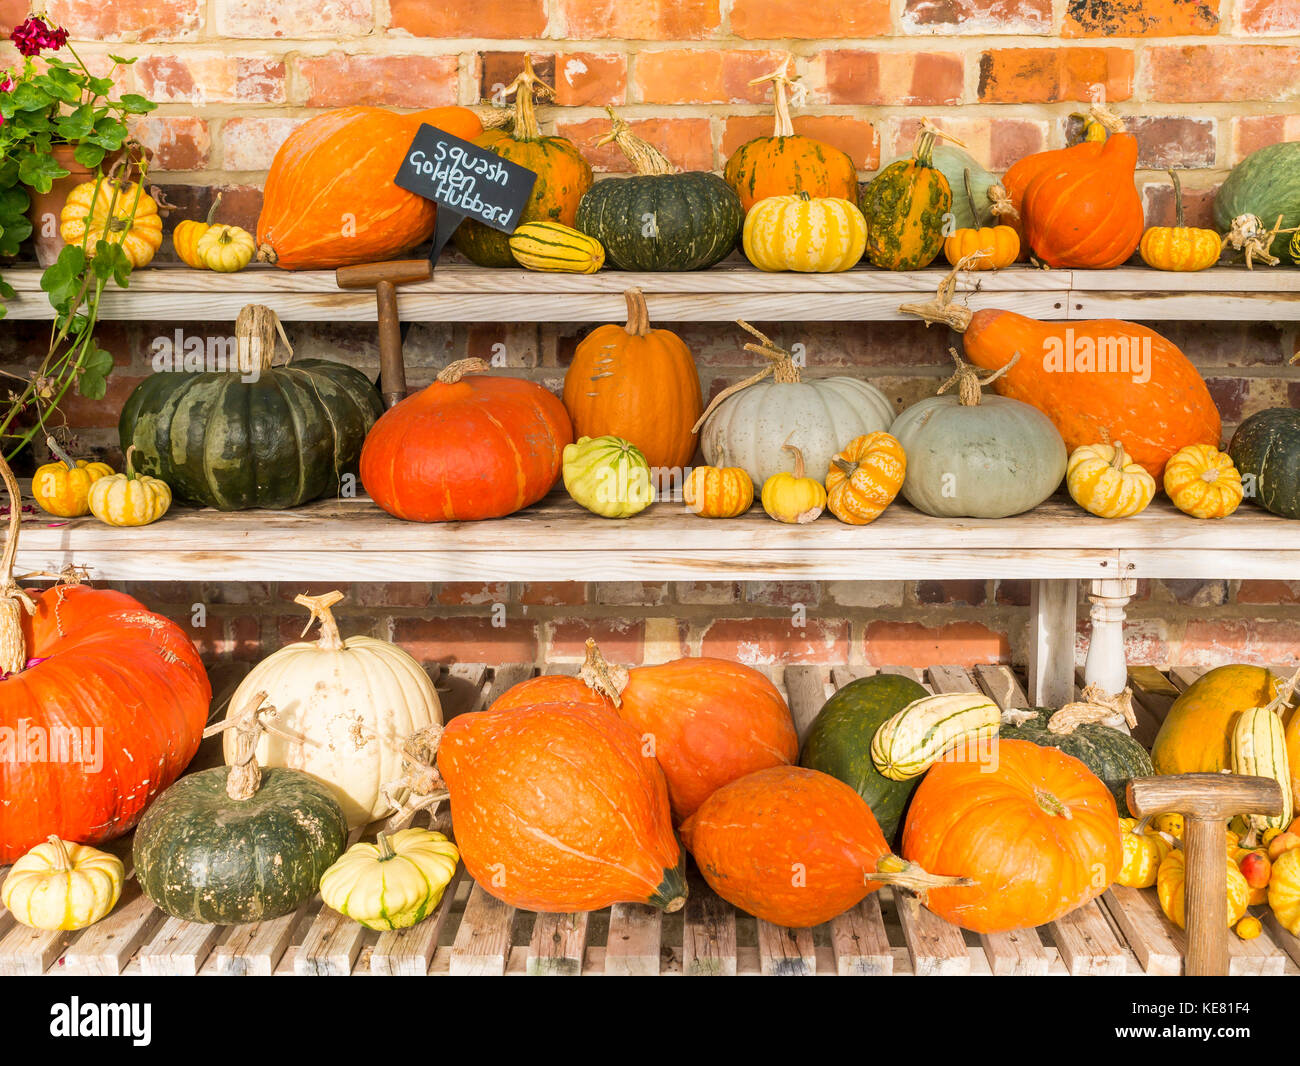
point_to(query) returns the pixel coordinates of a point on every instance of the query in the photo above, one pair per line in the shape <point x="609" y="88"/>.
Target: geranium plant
<point x="55" y="101"/>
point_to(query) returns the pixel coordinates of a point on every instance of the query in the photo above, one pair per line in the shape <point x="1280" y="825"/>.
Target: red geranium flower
<point x="35" y="35"/>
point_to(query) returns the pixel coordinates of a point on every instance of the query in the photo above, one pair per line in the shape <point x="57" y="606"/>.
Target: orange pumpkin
<point x="1086" y="211"/>
<point x="792" y="846"/>
<point x="1035" y="829"/>
<point x="1098" y="380"/>
<point x="556" y="809"/>
<point x="1000" y="243"/>
<point x="864" y="478"/>
<point x="718" y="492"/>
<point x="787" y="163"/>
<point x="469" y="446"/>
<point x="639" y="384"/>
<point x="330" y="199"/>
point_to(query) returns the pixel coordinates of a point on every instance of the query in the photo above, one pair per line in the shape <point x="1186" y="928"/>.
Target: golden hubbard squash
<point x="1196" y="736"/>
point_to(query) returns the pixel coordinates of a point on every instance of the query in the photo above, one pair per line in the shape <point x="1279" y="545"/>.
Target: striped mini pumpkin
<point x="1104" y="480"/>
<point x="818" y="236"/>
<point x="556" y="248"/>
<point x="864" y="478"/>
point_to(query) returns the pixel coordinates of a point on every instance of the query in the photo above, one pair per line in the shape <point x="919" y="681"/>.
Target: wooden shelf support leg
<point x="1105" y="665"/>
<point x="1053" y="606"/>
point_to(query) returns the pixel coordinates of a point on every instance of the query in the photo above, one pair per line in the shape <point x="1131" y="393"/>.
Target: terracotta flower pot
<point x="45" y="207"/>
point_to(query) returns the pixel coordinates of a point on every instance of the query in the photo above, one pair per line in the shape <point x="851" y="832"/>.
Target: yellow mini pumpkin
<point x="129" y="499"/>
<point x="864" y="478"/>
<point x="226" y="249"/>
<point x="60" y="885"/>
<point x="813" y="236"/>
<point x="1284" y="891"/>
<point x="718" y="492"/>
<point x="1105" y="482"/>
<point x="1001" y="243"/>
<point x="1202" y="481"/>
<point x="1169" y="887"/>
<point x="792" y="497"/>
<point x="96" y="211"/>
<point x="1144" y="851"/>
<point x="186" y="236"/>
<point x="1180" y="247"/>
<point x="62" y="488"/>
<point x="394" y="883"/>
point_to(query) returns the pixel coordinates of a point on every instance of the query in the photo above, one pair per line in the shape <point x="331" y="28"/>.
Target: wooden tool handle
<point x="397" y="272"/>
<point x="392" y="367"/>
<point x="1206" y="802"/>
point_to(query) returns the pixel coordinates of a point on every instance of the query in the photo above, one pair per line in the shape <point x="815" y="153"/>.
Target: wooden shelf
<point x="463" y="293"/>
<point x="353" y="540"/>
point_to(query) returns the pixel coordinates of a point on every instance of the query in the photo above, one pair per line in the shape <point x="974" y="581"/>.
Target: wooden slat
<point x="860" y="942"/>
<point x="634" y="943"/>
<point x="28" y="952"/>
<point x="558" y="945"/>
<point x="255" y="950"/>
<point x="1087" y="944"/>
<point x="332" y="945"/>
<point x="409" y="952"/>
<point x="708" y="934"/>
<point x="7" y="920"/>
<point x="907" y="671"/>
<point x="1145" y="929"/>
<point x="1184" y="677"/>
<point x="785" y="952"/>
<point x="482" y="944"/>
<point x="1260" y="957"/>
<point x="106" y="947"/>
<point x="1019" y="953"/>
<point x="1153" y="695"/>
<point x="179" y="949"/>
<point x="1288" y="943"/>
<point x="936" y="947"/>
<point x="843" y="675"/>
<point x="1001" y="685"/>
<point x="806" y="689"/>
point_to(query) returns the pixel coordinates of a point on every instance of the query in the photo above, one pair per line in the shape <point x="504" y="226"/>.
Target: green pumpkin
<point x="839" y="743"/>
<point x="1266" y="184"/>
<point x="221" y="441"/>
<point x="955" y="164"/>
<point x="1113" y="756"/>
<point x="204" y="856"/>
<point x="659" y="219"/>
<point x="1266" y="452"/>
<point x="906" y="206"/>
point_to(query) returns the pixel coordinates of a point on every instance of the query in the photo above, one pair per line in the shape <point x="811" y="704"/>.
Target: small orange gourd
<point x="1180" y="247"/>
<point x="864" y="478"/>
<point x="718" y="492"/>
<point x="1202" y="481"/>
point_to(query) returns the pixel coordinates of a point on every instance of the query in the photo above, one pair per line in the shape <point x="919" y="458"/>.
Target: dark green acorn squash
<point x="1113" y="756"/>
<point x="277" y="441"/>
<point x="1266" y="184"/>
<point x="203" y="856"/>
<point x="1266" y="452"/>
<point x="839" y="742"/>
<point x="660" y="219"/>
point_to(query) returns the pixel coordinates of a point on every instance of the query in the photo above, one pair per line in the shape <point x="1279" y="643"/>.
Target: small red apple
<point x="1283" y="842"/>
<point x="1256" y="868"/>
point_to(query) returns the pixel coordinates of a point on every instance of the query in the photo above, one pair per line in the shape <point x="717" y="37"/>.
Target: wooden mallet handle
<point x="384" y="279"/>
<point x="1206" y="802"/>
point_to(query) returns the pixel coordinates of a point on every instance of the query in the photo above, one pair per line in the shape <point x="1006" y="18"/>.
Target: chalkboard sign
<point x="465" y="181"/>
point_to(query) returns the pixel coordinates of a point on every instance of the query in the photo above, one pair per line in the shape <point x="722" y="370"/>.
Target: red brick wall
<point x="1202" y="83"/>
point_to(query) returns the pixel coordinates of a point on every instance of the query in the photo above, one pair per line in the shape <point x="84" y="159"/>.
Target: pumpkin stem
<point x="212" y="211"/>
<point x="59" y="453"/>
<point x="267" y="254"/>
<point x="941" y="309"/>
<point x="1001" y="201"/>
<point x="1093" y="706"/>
<point x="1249" y="236"/>
<point x="320" y="612"/>
<point x="970" y="196"/>
<point x="1052" y="804"/>
<point x="13" y="600"/>
<point x="453" y="372"/>
<point x="62" y="860"/>
<point x="847" y="468"/>
<point x="1118" y="462"/>
<point x="645" y="158"/>
<point x="245" y="776"/>
<point x="897" y="871"/>
<point x="1179" y="214"/>
<point x="781" y="368"/>
<point x="523" y="89"/>
<point x="1100" y="113"/>
<point x="638" y="317"/>
<point x="599" y="675"/>
<point x="256" y="329"/>
<point x="386" y="851"/>
<point x="923" y="150"/>
<point x="421" y="785"/>
<point x="968" y="379"/>
<point x="798" y="457"/>
<point x="1285" y="691"/>
<point x="781" y="81"/>
<point x="130" y="462"/>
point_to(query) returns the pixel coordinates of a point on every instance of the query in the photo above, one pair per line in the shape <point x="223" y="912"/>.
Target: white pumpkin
<point x="62" y="885"/>
<point x="750" y="424"/>
<point x="347" y="704"/>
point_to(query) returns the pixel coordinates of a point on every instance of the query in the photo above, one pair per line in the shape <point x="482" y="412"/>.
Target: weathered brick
<point x="784" y="593"/>
<point x="1253" y="132"/>
<point x="1269" y="592"/>
<point x="12" y="12"/>
<point x="765" y="641"/>
<point x="141" y="20"/>
<point x="645" y="20"/>
<point x="786" y="19"/>
<point x="1140" y="18"/>
<point x="178" y="142"/>
<point x="502" y="344"/>
<point x="1174" y="141"/>
<point x="472" y="593"/>
<point x="501" y="19"/>
<point x="702" y="76"/>
<point x="1146" y="643"/>
<point x="686" y="141"/>
<point x="856" y="136"/>
<point x="1159" y="208"/>
<point x="997" y="142"/>
<point x="294" y="19"/>
<point x="977" y="16"/>
<point x="1197" y="593"/>
<point x="1194" y="73"/>
<point x="202" y="78"/>
<point x="251" y="143"/>
<point x="893" y="78"/>
<point x="866" y="593"/>
<point x="1229" y="395"/>
<point x="1280" y="17"/>
<point x="496" y="70"/>
<point x="632" y="593"/>
<point x="969" y="593"/>
<point x="621" y="640"/>
<point x="340" y="79"/>
<point x="1214" y="641"/>
<point x="467" y="640"/>
<point x="1050" y="75"/>
<point x="1012" y="593"/>
<point x="590" y="79"/>
<point x="707" y="592"/>
<point x="553" y="593"/>
<point x="916" y="644"/>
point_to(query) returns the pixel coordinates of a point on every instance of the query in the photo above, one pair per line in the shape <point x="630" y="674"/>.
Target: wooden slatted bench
<point x="472" y="933"/>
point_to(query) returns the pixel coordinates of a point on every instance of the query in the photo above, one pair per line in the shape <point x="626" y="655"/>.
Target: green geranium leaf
<point x="100" y="86"/>
<point x="77" y="123"/>
<point x="136" y="104"/>
<point x="93" y="381"/>
<point x="62" y="279"/>
<point x="29" y="97"/>
<point x="38" y="171"/>
<point x="89" y="155"/>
